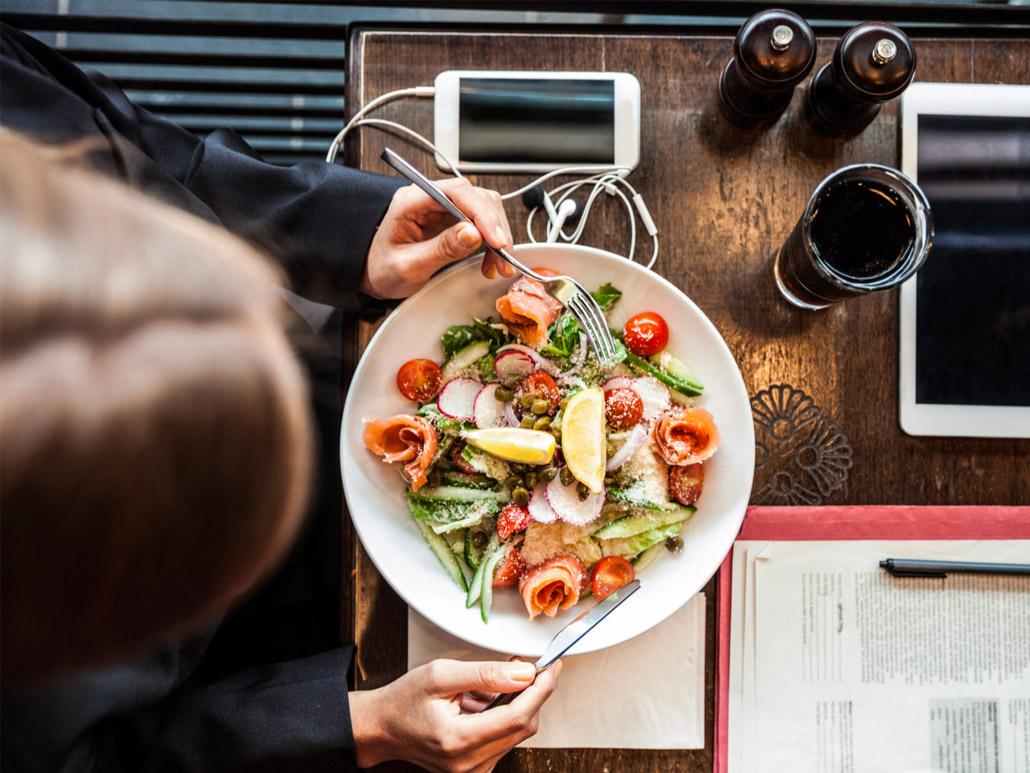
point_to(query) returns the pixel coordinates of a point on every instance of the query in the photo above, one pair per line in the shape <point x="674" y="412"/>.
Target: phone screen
<point x="973" y="293"/>
<point x="525" y="120"/>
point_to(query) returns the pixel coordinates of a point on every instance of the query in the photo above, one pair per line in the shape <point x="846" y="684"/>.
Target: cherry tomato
<point x="609" y="574"/>
<point x="623" y="408"/>
<point x="646" y="334"/>
<point x="513" y="518"/>
<point x="510" y="570"/>
<point x="685" y="482"/>
<point x="419" y="380"/>
<point x="541" y="385"/>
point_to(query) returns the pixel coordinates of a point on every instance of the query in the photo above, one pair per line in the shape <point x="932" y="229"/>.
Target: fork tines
<point x="590" y="317"/>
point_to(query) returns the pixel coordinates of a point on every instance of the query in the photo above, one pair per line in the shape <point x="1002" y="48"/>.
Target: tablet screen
<point x="973" y="293"/>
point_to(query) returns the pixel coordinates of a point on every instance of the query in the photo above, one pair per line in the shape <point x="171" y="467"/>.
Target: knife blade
<point x="573" y="632"/>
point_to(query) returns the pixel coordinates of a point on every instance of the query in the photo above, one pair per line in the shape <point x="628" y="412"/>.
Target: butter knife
<point x="573" y="632"/>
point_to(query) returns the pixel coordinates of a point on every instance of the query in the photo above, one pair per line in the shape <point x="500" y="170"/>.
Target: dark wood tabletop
<point x="824" y="385"/>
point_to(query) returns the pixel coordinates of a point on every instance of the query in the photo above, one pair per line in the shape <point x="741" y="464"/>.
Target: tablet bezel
<point x="932" y="419"/>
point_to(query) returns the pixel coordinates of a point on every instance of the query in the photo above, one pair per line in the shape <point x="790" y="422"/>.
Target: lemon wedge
<point x="582" y="433"/>
<point x="528" y="446"/>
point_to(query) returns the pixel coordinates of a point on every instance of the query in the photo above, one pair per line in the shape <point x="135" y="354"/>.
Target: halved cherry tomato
<point x="513" y="518"/>
<point x="609" y="574"/>
<point x="541" y="385"/>
<point x="510" y="570"/>
<point x="685" y="482"/>
<point x="646" y="334"/>
<point x="623" y="408"/>
<point x="419" y="380"/>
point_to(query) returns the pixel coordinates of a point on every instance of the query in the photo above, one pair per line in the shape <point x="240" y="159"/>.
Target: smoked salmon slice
<point x="403" y="438"/>
<point x="685" y="435"/>
<point x="555" y="584"/>
<point x="529" y="310"/>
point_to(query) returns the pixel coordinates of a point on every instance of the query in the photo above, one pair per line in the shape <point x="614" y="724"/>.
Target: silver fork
<point x="566" y="290"/>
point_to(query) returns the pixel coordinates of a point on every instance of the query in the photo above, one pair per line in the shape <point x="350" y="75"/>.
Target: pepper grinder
<point x="773" y="52"/>
<point x="873" y="62"/>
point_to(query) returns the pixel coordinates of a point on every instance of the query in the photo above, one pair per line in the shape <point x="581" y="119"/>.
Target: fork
<point x="566" y="290"/>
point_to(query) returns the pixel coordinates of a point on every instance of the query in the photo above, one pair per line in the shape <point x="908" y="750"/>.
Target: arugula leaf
<point x="457" y="337"/>
<point x="606" y="296"/>
<point x="562" y="337"/>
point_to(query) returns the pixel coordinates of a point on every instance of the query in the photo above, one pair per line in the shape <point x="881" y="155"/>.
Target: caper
<point x="548" y="474"/>
<point x="540" y="407"/>
<point x="520" y="496"/>
<point x="674" y="543"/>
<point x="567" y="478"/>
<point x="528" y="400"/>
<point x="479" y="540"/>
<point x="532" y="478"/>
<point x="542" y="423"/>
<point x="556" y="430"/>
<point x="610" y="448"/>
<point x="527" y="422"/>
<point x="623" y="479"/>
<point x="512" y="481"/>
<point x="563" y="403"/>
<point x="504" y="394"/>
<point x="582" y="492"/>
<point x="518" y="467"/>
<point x="609" y="480"/>
<point x="434" y="478"/>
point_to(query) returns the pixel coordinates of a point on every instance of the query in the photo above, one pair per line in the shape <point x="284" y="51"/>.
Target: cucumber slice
<point x="675" y="367"/>
<point x="450" y="494"/>
<point x="624" y="497"/>
<point x="476" y="513"/>
<point x="630" y="546"/>
<point x="630" y="525"/>
<point x="463" y="358"/>
<point x="465" y="480"/>
<point x="446" y="515"/>
<point x="474" y="555"/>
<point x="443" y="552"/>
<point x="475" y="587"/>
<point x="487" y="595"/>
<point x="648" y="557"/>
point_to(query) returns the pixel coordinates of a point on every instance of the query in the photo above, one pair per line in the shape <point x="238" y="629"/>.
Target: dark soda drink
<point x="866" y="228"/>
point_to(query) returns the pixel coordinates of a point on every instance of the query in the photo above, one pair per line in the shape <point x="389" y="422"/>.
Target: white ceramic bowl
<point x="375" y="491"/>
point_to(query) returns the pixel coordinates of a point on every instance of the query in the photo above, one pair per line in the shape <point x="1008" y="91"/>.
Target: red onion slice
<point x="633" y="442"/>
<point x="509" y="414"/>
<point x="617" y="382"/>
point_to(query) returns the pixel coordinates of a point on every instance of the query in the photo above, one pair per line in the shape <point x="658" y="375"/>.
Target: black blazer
<point x="185" y="708"/>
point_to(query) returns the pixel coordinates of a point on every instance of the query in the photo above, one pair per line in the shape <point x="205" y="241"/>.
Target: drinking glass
<point x="866" y="228"/>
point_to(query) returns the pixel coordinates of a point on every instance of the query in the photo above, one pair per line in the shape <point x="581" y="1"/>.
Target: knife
<point x="573" y="632"/>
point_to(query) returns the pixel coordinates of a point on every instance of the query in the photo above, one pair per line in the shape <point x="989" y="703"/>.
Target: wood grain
<point x="724" y="199"/>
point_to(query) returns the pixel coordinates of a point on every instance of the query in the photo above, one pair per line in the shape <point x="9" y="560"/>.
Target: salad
<point x="530" y="466"/>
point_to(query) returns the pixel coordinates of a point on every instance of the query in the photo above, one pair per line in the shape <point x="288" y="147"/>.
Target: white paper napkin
<point x="647" y="693"/>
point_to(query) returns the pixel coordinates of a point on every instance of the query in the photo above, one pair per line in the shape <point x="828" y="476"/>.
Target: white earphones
<point x="568" y="210"/>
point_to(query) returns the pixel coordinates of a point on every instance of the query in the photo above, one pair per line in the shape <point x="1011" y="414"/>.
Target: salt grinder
<point x="873" y="62"/>
<point x="773" y="52"/>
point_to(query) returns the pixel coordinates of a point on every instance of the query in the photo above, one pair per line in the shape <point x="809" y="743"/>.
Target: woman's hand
<point x="418" y="237"/>
<point x="423" y="716"/>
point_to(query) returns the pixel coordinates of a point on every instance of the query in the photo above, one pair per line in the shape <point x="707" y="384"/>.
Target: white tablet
<point x="492" y="121"/>
<point x="965" y="317"/>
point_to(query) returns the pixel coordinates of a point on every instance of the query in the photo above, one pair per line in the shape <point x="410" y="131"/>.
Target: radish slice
<point x="566" y="504"/>
<point x="540" y="511"/>
<point x="618" y="382"/>
<point x="458" y="398"/>
<point x="539" y="362"/>
<point x="509" y="414"/>
<point x="512" y="364"/>
<point x="633" y="442"/>
<point x="653" y="393"/>
<point x="487" y="410"/>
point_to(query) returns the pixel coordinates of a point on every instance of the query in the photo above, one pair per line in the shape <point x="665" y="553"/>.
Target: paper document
<point x="835" y="665"/>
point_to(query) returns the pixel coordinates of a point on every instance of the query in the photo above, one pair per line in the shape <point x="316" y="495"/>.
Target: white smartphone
<point x="490" y="121"/>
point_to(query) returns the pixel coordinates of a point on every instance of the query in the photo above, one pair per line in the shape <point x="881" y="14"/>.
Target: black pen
<point x="911" y="567"/>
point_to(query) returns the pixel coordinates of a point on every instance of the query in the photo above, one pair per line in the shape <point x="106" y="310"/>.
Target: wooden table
<point x="824" y="385"/>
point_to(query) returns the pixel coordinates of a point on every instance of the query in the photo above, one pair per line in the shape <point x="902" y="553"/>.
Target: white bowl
<point x="375" y="490"/>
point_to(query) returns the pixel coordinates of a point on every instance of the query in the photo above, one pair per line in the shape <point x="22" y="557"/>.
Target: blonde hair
<point x="155" y="441"/>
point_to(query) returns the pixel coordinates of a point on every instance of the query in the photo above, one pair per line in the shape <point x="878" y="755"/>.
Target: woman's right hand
<point x="424" y="717"/>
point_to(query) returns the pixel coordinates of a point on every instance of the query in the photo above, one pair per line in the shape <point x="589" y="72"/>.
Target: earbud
<point x="568" y="210"/>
